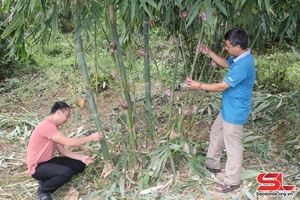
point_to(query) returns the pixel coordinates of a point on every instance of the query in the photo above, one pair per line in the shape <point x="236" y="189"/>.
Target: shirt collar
<point x="242" y="55"/>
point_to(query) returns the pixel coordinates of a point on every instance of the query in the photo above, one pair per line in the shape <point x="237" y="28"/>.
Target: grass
<point x="168" y="167"/>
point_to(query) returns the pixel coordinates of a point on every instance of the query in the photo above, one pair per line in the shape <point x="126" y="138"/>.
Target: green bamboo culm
<point x="147" y="76"/>
<point x="173" y="86"/>
<point x="124" y="84"/>
<point x="181" y="117"/>
<point x="89" y="93"/>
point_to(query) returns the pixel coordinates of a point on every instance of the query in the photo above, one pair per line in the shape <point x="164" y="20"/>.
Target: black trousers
<point x="56" y="172"/>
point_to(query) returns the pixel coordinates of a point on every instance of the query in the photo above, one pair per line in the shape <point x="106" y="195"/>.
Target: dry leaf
<point x="80" y="101"/>
<point x="186" y="148"/>
<point x="108" y="168"/>
<point x="149" y="190"/>
<point x="80" y="129"/>
<point x="73" y="194"/>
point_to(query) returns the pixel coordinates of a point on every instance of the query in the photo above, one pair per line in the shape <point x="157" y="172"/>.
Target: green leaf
<point x="54" y="21"/>
<point x="31" y="5"/>
<point x="43" y="6"/>
<point x="247" y="174"/>
<point x="122" y="187"/>
<point x="95" y="11"/>
<point x="175" y="147"/>
<point x="251" y="138"/>
<point x="267" y="5"/>
<point x="221" y="7"/>
<point x="208" y="13"/>
<point x="207" y="194"/>
<point x="248" y="194"/>
<point x="261" y="107"/>
<point x="172" y="162"/>
<point x="124" y="7"/>
<point x="279" y="104"/>
<point x="145" y="7"/>
<point x="152" y="3"/>
<point x="167" y="16"/>
<point x="243" y="3"/>
<point x="159" y="5"/>
<point x="132" y="9"/>
<point x="259" y="4"/>
<point x="194" y="11"/>
<point x="16" y="23"/>
<point x="112" y="189"/>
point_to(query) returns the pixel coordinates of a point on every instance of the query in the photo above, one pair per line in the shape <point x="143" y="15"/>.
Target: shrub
<point x="278" y="72"/>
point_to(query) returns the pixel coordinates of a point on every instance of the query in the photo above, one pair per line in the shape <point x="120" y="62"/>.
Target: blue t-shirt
<point x="236" y="100"/>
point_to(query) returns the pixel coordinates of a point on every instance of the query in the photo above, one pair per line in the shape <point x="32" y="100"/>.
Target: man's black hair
<point x="237" y="36"/>
<point x="60" y="105"/>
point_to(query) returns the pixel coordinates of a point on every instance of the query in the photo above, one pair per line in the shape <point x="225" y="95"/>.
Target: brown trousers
<point x="226" y="135"/>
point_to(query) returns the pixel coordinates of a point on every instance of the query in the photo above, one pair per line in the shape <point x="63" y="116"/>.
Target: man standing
<point x="52" y="172"/>
<point x="236" y="88"/>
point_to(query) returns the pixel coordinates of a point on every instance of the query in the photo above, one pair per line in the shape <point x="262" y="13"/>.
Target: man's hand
<point x="203" y="49"/>
<point x="87" y="160"/>
<point x="192" y="85"/>
<point x="97" y="136"/>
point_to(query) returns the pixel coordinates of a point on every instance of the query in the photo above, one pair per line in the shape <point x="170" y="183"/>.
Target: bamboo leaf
<point x="297" y="54"/>
<point x="93" y="194"/>
<point x="145" y="7"/>
<point x="172" y="164"/>
<point x="132" y="9"/>
<point x="194" y="11"/>
<point x="251" y="138"/>
<point x="279" y="104"/>
<point x="23" y="51"/>
<point x="130" y="180"/>
<point x="235" y="196"/>
<point x="243" y="3"/>
<point x="208" y="13"/>
<point x="16" y="23"/>
<point x="31" y="5"/>
<point x="54" y="21"/>
<point x="261" y="107"/>
<point x="207" y="194"/>
<point x="111" y="190"/>
<point x="175" y="147"/>
<point x="43" y="5"/>
<point x="152" y="3"/>
<point x="221" y="7"/>
<point x="248" y="194"/>
<point x="122" y="187"/>
<point x="267" y="5"/>
<point x="159" y="5"/>
<point x="96" y="13"/>
<point x="248" y="174"/>
<point x="259" y="4"/>
<point x="167" y="17"/>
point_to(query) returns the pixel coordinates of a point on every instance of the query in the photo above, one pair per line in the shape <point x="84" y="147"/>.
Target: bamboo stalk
<point x="91" y="99"/>
<point x="149" y="116"/>
<point x="124" y="84"/>
<point x="173" y="88"/>
<point x="181" y="117"/>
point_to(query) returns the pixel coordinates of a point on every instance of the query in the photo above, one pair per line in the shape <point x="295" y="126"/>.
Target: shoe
<point x="224" y="188"/>
<point x="215" y="171"/>
<point x="43" y="196"/>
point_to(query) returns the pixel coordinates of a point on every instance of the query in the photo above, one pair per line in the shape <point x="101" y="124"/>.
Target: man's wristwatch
<point x="200" y="88"/>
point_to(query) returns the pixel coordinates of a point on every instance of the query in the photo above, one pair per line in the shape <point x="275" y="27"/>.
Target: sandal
<point x="215" y="171"/>
<point x="224" y="188"/>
